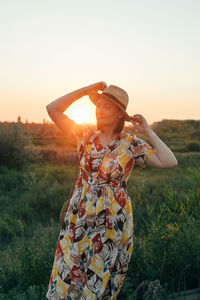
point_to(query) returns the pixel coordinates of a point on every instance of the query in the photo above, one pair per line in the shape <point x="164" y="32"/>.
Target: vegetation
<point x="166" y="205"/>
<point x="15" y="147"/>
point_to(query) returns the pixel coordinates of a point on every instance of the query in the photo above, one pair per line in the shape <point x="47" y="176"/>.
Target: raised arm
<point x="163" y="157"/>
<point x="56" y="108"/>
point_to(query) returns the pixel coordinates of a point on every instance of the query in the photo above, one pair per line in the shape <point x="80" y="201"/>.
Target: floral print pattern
<point x="95" y="247"/>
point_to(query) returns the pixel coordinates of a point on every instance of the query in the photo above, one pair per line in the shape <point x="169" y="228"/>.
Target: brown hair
<point x="120" y="125"/>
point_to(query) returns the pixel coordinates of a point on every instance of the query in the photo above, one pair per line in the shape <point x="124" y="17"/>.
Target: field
<point x="34" y="183"/>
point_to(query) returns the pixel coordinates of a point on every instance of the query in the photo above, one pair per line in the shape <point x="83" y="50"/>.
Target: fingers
<point x="135" y="123"/>
<point x="135" y="120"/>
<point x="138" y="118"/>
<point x="103" y="85"/>
<point x="138" y="122"/>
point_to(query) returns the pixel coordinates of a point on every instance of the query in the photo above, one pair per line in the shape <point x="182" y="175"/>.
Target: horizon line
<point x="44" y="121"/>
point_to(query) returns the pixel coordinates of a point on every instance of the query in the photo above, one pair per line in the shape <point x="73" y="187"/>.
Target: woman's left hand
<point x="163" y="157"/>
<point x="140" y="124"/>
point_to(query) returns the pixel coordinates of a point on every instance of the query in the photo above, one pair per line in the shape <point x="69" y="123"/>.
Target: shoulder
<point x="126" y="137"/>
<point x="131" y="138"/>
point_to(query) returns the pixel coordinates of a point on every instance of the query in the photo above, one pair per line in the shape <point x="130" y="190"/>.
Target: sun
<point x="81" y="112"/>
<point x="80" y="115"/>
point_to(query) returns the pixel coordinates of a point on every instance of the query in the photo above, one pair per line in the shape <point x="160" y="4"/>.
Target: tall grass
<point x="167" y="242"/>
<point x="166" y="255"/>
<point x="26" y="263"/>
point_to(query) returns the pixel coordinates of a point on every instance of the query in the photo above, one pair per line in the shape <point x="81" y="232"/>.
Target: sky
<point x="150" y="48"/>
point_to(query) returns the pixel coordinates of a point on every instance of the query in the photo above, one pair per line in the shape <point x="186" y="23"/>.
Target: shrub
<point x="178" y="148"/>
<point x="193" y="146"/>
<point x="58" y="155"/>
<point x="10" y="226"/>
<point x="11" y="180"/>
<point x="15" y="147"/>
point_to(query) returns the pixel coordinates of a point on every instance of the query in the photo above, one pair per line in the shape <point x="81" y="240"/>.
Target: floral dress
<point x="95" y="247"/>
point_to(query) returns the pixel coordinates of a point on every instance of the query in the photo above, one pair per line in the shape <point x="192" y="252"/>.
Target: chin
<point x="100" y="126"/>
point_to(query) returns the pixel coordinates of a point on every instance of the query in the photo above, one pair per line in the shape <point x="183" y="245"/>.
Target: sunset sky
<point x="150" y="48"/>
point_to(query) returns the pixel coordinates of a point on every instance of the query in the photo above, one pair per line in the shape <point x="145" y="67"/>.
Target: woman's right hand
<point x="98" y="86"/>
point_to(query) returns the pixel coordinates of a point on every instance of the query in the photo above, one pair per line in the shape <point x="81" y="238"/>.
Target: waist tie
<point x="101" y="183"/>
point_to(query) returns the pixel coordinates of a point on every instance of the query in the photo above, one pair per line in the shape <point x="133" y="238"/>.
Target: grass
<point x="166" y="256"/>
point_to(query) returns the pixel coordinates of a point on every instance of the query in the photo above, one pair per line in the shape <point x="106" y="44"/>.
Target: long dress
<point x="95" y="247"/>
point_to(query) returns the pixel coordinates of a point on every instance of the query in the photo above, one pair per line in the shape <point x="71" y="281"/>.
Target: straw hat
<point x="114" y="94"/>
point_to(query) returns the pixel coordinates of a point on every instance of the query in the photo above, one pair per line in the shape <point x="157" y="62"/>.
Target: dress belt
<point x="113" y="183"/>
<point x="95" y="181"/>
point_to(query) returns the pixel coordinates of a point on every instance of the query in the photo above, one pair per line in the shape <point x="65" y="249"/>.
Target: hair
<point x="120" y="125"/>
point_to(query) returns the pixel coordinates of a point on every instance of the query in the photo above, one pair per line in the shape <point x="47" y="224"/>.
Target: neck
<point x="107" y="131"/>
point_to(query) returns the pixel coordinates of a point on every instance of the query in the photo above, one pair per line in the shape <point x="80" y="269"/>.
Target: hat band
<point x="115" y="99"/>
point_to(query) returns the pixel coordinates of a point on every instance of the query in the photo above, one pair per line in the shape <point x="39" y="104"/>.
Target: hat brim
<point x="94" y="96"/>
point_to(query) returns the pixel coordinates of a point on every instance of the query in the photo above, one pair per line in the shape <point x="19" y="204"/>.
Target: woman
<point x="95" y="245"/>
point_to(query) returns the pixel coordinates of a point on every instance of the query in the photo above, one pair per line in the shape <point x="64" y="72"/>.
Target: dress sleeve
<point x="142" y="151"/>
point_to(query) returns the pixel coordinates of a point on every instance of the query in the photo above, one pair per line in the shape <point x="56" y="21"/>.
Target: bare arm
<point x="163" y="157"/>
<point x="56" y="108"/>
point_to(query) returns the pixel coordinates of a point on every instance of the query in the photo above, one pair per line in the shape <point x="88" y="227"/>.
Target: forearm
<point x="62" y="103"/>
<point x="163" y="153"/>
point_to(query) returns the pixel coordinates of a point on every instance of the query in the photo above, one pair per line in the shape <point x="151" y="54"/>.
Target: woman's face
<point x="107" y="113"/>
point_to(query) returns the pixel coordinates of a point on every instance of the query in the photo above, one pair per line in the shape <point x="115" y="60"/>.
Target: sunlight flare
<point x="81" y="112"/>
<point x="80" y="115"/>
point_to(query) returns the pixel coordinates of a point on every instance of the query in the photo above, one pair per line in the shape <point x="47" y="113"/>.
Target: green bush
<point x="11" y="181"/>
<point x="181" y="149"/>
<point x="187" y="147"/>
<point x="193" y="146"/>
<point x="15" y="147"/>
<point x="58" y="156"/>
<point x="10" y="226"/>
<point x="49" y="155"/>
